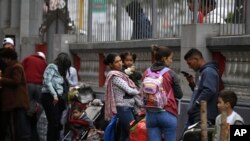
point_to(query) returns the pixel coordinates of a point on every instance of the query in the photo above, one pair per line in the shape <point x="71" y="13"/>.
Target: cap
<point x="8" y="40"/>
<point x="41" y="54"/>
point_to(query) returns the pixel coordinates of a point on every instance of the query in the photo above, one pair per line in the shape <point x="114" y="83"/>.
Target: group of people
<point x="35" y="80"/>
<point x="125" y="96"/>
<point x="27" y="84"/>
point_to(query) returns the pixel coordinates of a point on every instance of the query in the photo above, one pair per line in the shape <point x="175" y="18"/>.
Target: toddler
<point x="80" y="122"/>
<point x="128" y="67"/>
<point x="128" y="60"/>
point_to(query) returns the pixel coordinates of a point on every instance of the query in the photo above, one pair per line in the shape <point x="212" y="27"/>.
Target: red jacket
<point x="34" y="67"/>
<point x="172" y="105"/>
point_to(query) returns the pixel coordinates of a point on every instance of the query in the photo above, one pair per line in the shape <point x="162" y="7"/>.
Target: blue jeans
<point x="161" y="123"/>
<point x="125" y="116"/>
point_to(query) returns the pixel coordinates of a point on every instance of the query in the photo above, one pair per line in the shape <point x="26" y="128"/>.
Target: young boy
<point x="226" y="102"/>
<point x="81" y="120"/>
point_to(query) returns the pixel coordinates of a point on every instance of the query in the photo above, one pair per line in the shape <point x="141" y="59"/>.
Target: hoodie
<point x="207" y="89"/>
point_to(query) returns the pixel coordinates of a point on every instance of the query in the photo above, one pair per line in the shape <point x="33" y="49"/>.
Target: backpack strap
<point x="149" y="70"/>
<point x="164" y="70"/>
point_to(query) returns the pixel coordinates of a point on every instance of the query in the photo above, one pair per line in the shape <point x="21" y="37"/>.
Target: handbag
<point x="35" y="109"/>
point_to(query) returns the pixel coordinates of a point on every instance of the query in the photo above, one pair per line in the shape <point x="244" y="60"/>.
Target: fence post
<point x="223" y="134"/>
<point x="248" y="17"/>
<point x="90" y="20"/>
<point x="195" y="13"/>
<point x="154" y="18"/>
<point x="118" y="19"/>
<point x="203" y="111"/>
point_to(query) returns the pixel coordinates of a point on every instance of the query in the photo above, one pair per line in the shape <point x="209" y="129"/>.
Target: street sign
<point x="99" y="6"/>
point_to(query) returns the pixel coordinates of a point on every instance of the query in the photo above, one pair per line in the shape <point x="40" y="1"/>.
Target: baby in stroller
<point x="79" y="122"/>
<point x="81" y="118"/>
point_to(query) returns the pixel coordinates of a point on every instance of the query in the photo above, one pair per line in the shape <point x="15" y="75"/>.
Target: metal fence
<point x="109" y="20"/>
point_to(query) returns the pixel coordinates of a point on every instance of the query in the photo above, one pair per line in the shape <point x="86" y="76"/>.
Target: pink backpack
<point x="155" y="95"/>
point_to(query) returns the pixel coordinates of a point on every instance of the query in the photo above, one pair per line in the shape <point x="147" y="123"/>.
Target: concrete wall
<point x="61" y="44"/>
<point x="28" y="46"/>
<point x="22" y="24"/>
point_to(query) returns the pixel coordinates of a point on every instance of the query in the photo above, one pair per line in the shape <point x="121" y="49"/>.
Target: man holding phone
<point x="206" y="87"/>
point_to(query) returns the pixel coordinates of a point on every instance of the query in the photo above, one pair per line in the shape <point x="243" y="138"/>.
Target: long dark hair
<point x="110" y="58"/>
<point x="8" y="53"/>
<point x="63" y="63"/>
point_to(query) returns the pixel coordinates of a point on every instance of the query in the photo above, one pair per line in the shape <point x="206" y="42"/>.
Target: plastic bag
<point x="109" y="133"/>
<point x="35" y="109"/>
<point x="138" y="131"/>
<point x="42" y="127"/>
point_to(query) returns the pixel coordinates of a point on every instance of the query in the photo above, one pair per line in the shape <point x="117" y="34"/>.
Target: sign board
<point x="99" y="6"/>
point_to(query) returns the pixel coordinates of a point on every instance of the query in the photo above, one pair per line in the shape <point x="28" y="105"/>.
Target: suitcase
<point x="193" y="133"/>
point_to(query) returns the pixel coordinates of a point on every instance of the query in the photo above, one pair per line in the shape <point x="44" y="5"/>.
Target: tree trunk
<point x="223" y="134"/>
<point x="203" y="108"/>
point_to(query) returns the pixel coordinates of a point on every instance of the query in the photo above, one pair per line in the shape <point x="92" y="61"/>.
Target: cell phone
<point x="186" y="74"/>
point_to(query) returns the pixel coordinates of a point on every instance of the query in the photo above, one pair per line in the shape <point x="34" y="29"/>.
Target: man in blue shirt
<point x="206" y="86"/>
<point x="142" y="27"/>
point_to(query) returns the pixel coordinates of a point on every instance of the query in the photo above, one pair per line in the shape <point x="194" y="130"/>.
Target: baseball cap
<point x="8" y="40"/>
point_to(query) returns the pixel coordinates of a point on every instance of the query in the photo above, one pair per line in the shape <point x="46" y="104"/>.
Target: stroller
<point x="81" y="99"/>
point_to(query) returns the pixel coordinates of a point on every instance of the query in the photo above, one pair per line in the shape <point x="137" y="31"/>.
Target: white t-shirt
<point x="213" y="17"/>
<point x="230" y="118"/>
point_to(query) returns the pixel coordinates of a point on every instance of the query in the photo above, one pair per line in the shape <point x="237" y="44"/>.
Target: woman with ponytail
<point x="162" y="122"/>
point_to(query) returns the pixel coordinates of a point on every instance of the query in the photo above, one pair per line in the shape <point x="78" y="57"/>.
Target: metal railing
<point x="109" y="20"/>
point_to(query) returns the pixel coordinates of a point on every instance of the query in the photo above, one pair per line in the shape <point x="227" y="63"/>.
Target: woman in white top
<point x="117" y="85"/>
